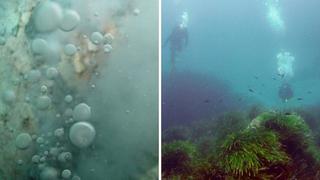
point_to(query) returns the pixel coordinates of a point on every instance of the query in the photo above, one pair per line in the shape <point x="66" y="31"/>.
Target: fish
<point x="287" y="113"/>
<point x="309" y="92"/>
<point x="206" y="101"/>
<point x="299" y="99"/>
<point x="274" y="78"/>
<point x="256" y="77"/>
<point x="251" y="90"/>
<point x="281" y="75"/>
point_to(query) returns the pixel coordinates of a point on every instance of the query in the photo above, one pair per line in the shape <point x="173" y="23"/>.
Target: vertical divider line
<point x="159" y="85"/>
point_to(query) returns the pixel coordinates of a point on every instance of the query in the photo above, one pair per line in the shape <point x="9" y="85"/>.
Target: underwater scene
<point x="78" y="89"/>
<point x="240" y="89"/>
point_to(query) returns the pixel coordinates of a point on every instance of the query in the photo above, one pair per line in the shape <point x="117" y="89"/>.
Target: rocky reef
<point x="274" y="145"/>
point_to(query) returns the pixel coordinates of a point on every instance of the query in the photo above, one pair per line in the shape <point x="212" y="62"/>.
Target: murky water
<point x="242" y="58"/>
<point x="79" y="89"/>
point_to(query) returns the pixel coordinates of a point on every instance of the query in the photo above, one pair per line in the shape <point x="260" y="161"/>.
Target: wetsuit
<point x="177" y="39"/>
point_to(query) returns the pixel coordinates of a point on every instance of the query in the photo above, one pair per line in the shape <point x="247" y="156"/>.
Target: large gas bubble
<point x="82" y="134"/>
<point x="23" y="141"/>
<point x="82" y="112"/>
<point x="47" y="16"/>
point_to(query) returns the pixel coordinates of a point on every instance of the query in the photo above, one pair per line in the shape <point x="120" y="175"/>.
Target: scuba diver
<point x="178" y="38"/>
<point x="285" y="71"/>
<point x="285" y="92"/>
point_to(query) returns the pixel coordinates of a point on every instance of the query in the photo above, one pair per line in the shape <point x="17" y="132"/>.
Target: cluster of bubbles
<point x="49" y="16"/>
<point x="55" y="148"/>
<point x="274" y="15"/>
<point x="184" y="20"/>
<point x="285" y="64"/>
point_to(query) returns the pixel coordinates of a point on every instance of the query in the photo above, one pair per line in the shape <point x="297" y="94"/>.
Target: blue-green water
<point x="233" y="45"/>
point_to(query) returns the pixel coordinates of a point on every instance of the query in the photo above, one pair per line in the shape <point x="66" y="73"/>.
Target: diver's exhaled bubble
<point x="107" y="48"/>
<point x="64" y="157"/>
<point x="40" y="140"/>
<point x="49" y="173"/>
<point x="43" y="159"/>
<point x="96" y="38"/>
<point x="82" y="134"/>
<point x="68" y="98"/>
<point x="44" y="89"/>
<point x="47" y="16"/>
<point x="9" y="96"/>
<point x="34" y="75"/>
<point x="43" y="102"/>
<point x="66" y="174"/>
<point x="70" y="20"/>
<point x="59" y="132"/>
<point x="35" y="158"/>
<point x="68" y="112"/>
<point x="39" y="46"/>
<point x="136" y="12"/>
<point x="82" y="112"/>
<point x="23" y="140"/>
<point x="76" y="178"/>
<point x="54" y="151"/>
<point x="52" y="73"/>
<point x="108" y="38"/>
<point x="70" y="49"/>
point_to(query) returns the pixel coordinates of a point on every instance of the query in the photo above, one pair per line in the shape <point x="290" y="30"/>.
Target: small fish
<point x="274" y="78"/>
<point x="206" y="101"/>
<point x="251" y="90"/>
<point x="281" y="75"/>
<point x="256" y="77"/>
<point x="299" y="99"/>
<point x="220" y="101"/>
<point x="309" y="92"/>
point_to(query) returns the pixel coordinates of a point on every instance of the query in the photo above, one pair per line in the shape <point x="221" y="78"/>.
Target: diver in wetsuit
<point x="285" y="92"/>
<point x="178" y="38"/>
